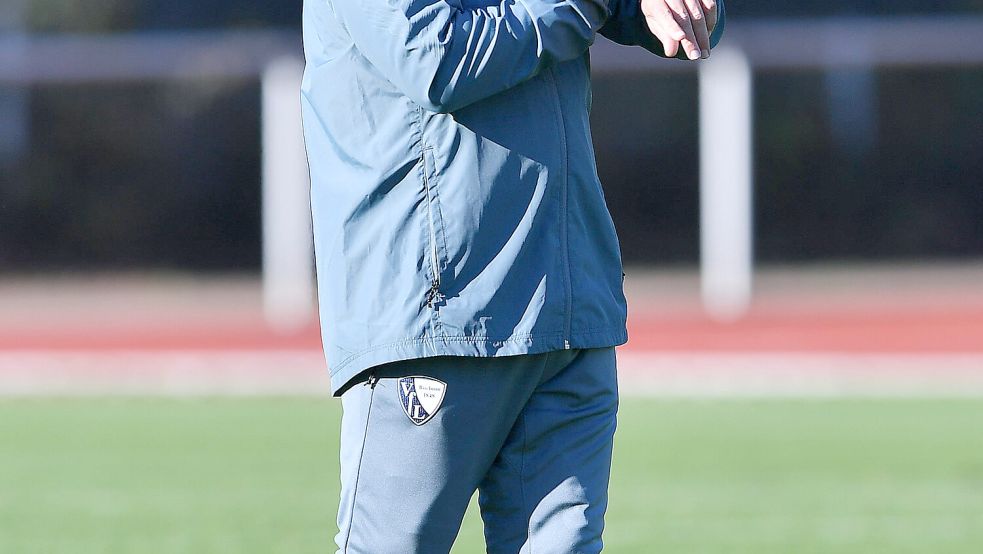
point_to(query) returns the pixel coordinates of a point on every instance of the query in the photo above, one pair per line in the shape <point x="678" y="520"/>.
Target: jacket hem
<point x="344" y="373"/>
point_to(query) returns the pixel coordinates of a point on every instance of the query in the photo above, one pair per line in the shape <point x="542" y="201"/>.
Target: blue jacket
<point x="456" y="204"/>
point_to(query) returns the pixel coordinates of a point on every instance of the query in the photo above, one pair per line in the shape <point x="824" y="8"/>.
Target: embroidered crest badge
<point x="421" y="397"/>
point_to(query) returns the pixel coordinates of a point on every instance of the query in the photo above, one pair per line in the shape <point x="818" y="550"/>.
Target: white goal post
<point x="726" y="113"/>
<point x="288" y="250"/>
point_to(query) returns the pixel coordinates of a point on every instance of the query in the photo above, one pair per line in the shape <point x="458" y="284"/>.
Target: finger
<point x="699" y="22"/>
<point x="664" y="19"/>
<point x="682" y="17"/>
<point x="669" y="45"/>
<point x="710" y="10"/>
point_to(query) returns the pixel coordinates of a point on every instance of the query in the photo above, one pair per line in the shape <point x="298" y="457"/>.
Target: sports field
<point x="259" y="475"/>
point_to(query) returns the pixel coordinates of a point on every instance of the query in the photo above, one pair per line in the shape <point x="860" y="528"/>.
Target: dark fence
<point x="167" y="175"/>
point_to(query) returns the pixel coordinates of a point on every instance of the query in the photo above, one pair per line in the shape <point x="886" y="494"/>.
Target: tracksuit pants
<point x="531" y="433"/>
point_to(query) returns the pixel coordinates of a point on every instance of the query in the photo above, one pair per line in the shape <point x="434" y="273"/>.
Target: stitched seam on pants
<point x="358" y="470"/>
<point x="525" y="446"/>
<point x="522" y="483"/>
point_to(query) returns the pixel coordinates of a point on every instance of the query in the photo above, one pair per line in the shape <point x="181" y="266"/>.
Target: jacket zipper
<point x="564" y="240"/>
<point x="433" y="295"/>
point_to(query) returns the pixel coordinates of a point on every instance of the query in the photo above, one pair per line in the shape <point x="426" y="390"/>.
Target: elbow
<point x="425" y="92"/>
<point x="421" y="83"/>
<point x="435" y="105"/>
<point x="437" y="97"/>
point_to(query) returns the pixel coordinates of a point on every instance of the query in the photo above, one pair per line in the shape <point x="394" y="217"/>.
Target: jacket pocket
<point x="434" y="226"/>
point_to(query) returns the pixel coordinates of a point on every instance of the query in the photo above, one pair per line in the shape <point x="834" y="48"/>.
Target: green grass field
<point x="155" y="476"/>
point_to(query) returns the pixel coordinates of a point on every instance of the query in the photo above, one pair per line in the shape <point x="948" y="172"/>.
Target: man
<point x="469" y="275"/>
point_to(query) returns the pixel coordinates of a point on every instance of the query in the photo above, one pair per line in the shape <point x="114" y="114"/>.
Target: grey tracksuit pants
<point x="531" y="433"/>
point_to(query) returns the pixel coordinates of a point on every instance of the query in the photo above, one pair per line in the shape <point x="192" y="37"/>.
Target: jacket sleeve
<point x="444" y="57"/>
<point x="627" y="26"/>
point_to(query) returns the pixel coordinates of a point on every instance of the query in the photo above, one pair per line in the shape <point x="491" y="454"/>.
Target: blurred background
<point x="801" y="220"/>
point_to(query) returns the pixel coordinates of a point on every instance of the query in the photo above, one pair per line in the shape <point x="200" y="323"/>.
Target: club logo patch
<point x="421" y="397"/>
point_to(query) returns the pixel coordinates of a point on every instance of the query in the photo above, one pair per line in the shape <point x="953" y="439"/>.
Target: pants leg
<point x="546" y="492"/>
<point x="406" y="486"/>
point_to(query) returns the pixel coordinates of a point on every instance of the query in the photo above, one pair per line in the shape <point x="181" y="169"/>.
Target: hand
<point x="686" y="23"/>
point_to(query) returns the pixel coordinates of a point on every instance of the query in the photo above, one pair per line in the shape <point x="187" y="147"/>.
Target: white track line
<point x="796" y="374"/>
<point x="169" y="372"/>
<point x="677" y="374"/>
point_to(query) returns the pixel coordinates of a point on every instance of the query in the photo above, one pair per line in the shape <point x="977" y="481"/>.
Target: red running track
<point x="894" y="330"/>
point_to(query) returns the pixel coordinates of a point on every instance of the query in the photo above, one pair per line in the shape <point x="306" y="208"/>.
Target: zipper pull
<point x="373" y="381"/>
<point x="566" y="344"/>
